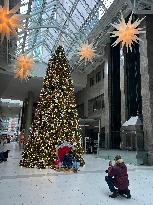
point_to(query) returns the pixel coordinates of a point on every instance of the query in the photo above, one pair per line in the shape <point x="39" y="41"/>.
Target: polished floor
<point x="24" y="186"/>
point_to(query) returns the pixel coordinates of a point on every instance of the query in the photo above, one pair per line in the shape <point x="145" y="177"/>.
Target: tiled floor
<point x="23" y="186"/>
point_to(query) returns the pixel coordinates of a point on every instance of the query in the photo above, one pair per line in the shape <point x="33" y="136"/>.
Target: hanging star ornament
<point x="9" y="20"/>
<point x="87" y="52"/>
<point x="127" y="32"/>
<point x="24" y="66"/>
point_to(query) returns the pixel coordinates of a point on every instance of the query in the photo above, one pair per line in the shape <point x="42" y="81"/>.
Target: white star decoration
<point x="24" y="66"/>
<point x="127" y="32"/>
<point x="9" y="20"/>
<point x="87" y="52"/>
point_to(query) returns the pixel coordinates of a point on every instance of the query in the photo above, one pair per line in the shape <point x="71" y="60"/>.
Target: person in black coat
<point x="67" y="160"/>
<point x="4" y="156"/>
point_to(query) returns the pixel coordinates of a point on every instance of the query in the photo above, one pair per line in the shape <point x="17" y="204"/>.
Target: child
<point x="67" y="160"/>
<point x="75" y="165"/>
<point x="118" y="178"/>
<point x="58" y="164"/>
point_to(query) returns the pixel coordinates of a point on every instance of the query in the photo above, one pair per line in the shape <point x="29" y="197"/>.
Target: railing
<point x="122" y="140"/>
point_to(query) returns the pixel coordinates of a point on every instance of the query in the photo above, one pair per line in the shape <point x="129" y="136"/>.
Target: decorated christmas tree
<point x="56" y="118"/>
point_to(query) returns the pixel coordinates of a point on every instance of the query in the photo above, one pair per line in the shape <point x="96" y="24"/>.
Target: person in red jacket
<point x="117" y="178"/>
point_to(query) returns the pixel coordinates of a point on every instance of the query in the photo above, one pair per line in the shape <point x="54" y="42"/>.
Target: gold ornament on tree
<point x="24" y="65"/>
<point x="87" y="52"/>
<point x="9" y="20"/>
<point x="127" y="32"/>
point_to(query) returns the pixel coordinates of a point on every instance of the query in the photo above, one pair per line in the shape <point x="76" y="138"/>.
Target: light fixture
<point x="127" y="32"/>
<point x="87" y="52"/>
<point x="24" y="65"/>
<point x="9" y="20"/>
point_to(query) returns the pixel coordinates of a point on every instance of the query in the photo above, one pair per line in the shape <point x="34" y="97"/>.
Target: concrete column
<point x="106" y="100"/>
<point x="28" y="115"/>
<point x="146" y="67"/>
<point x="122" y="86"/>
<point x="86" y="106"/>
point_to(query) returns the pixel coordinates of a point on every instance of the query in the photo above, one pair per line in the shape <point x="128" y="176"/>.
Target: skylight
<point x="54" y="22"/>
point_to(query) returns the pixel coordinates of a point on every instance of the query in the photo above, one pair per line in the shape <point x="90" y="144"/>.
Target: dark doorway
<point x="91" y="140"/>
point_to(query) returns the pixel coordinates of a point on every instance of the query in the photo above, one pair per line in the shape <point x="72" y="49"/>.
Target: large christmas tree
<point x="56" y="119"/>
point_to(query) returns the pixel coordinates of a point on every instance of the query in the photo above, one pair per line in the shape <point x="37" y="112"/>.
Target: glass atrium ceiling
<point x="58" y="22"/>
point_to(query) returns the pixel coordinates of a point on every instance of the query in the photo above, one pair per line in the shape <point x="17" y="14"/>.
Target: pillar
<point x="114" y="93"/>
<point x="107" y="101"/>
<point x="28" y="114"/>
<point x="122" y="86"/>
<point x="146" y="68"/>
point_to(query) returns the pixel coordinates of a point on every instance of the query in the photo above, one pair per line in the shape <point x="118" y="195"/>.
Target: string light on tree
<point x="87" y="52"/>
<point x="56" y="118"/>
<point x="9" y="20"/>
<point x="24" y="66"/>
<point x="127" y="32"/>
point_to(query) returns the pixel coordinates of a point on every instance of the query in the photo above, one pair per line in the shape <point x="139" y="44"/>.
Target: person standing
<point x="21" y="138"/>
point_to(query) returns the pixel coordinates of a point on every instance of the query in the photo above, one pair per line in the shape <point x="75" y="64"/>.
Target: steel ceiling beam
<point x="29" y="41"/>
<point x="39" y="22"/>
<point x="137" y="6"/>
<point x="86" y="23"/>
<point x="36" y="46"/>
<point x="38" y="28"/>
<point x="48" y="6"/>
<point x="67" y="19"/>
<point x="48" y="47"/>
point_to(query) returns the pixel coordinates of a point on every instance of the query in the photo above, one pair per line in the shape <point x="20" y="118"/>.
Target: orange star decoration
<point x="23" y="66"/>
<point x="9" y="20"/>
<point x="127" y="33"/>
<point x="87" y="52"/>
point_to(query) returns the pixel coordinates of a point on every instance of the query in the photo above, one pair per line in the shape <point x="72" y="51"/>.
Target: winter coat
<point x="67" y="160"/>
<point x="119" y="172"/>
